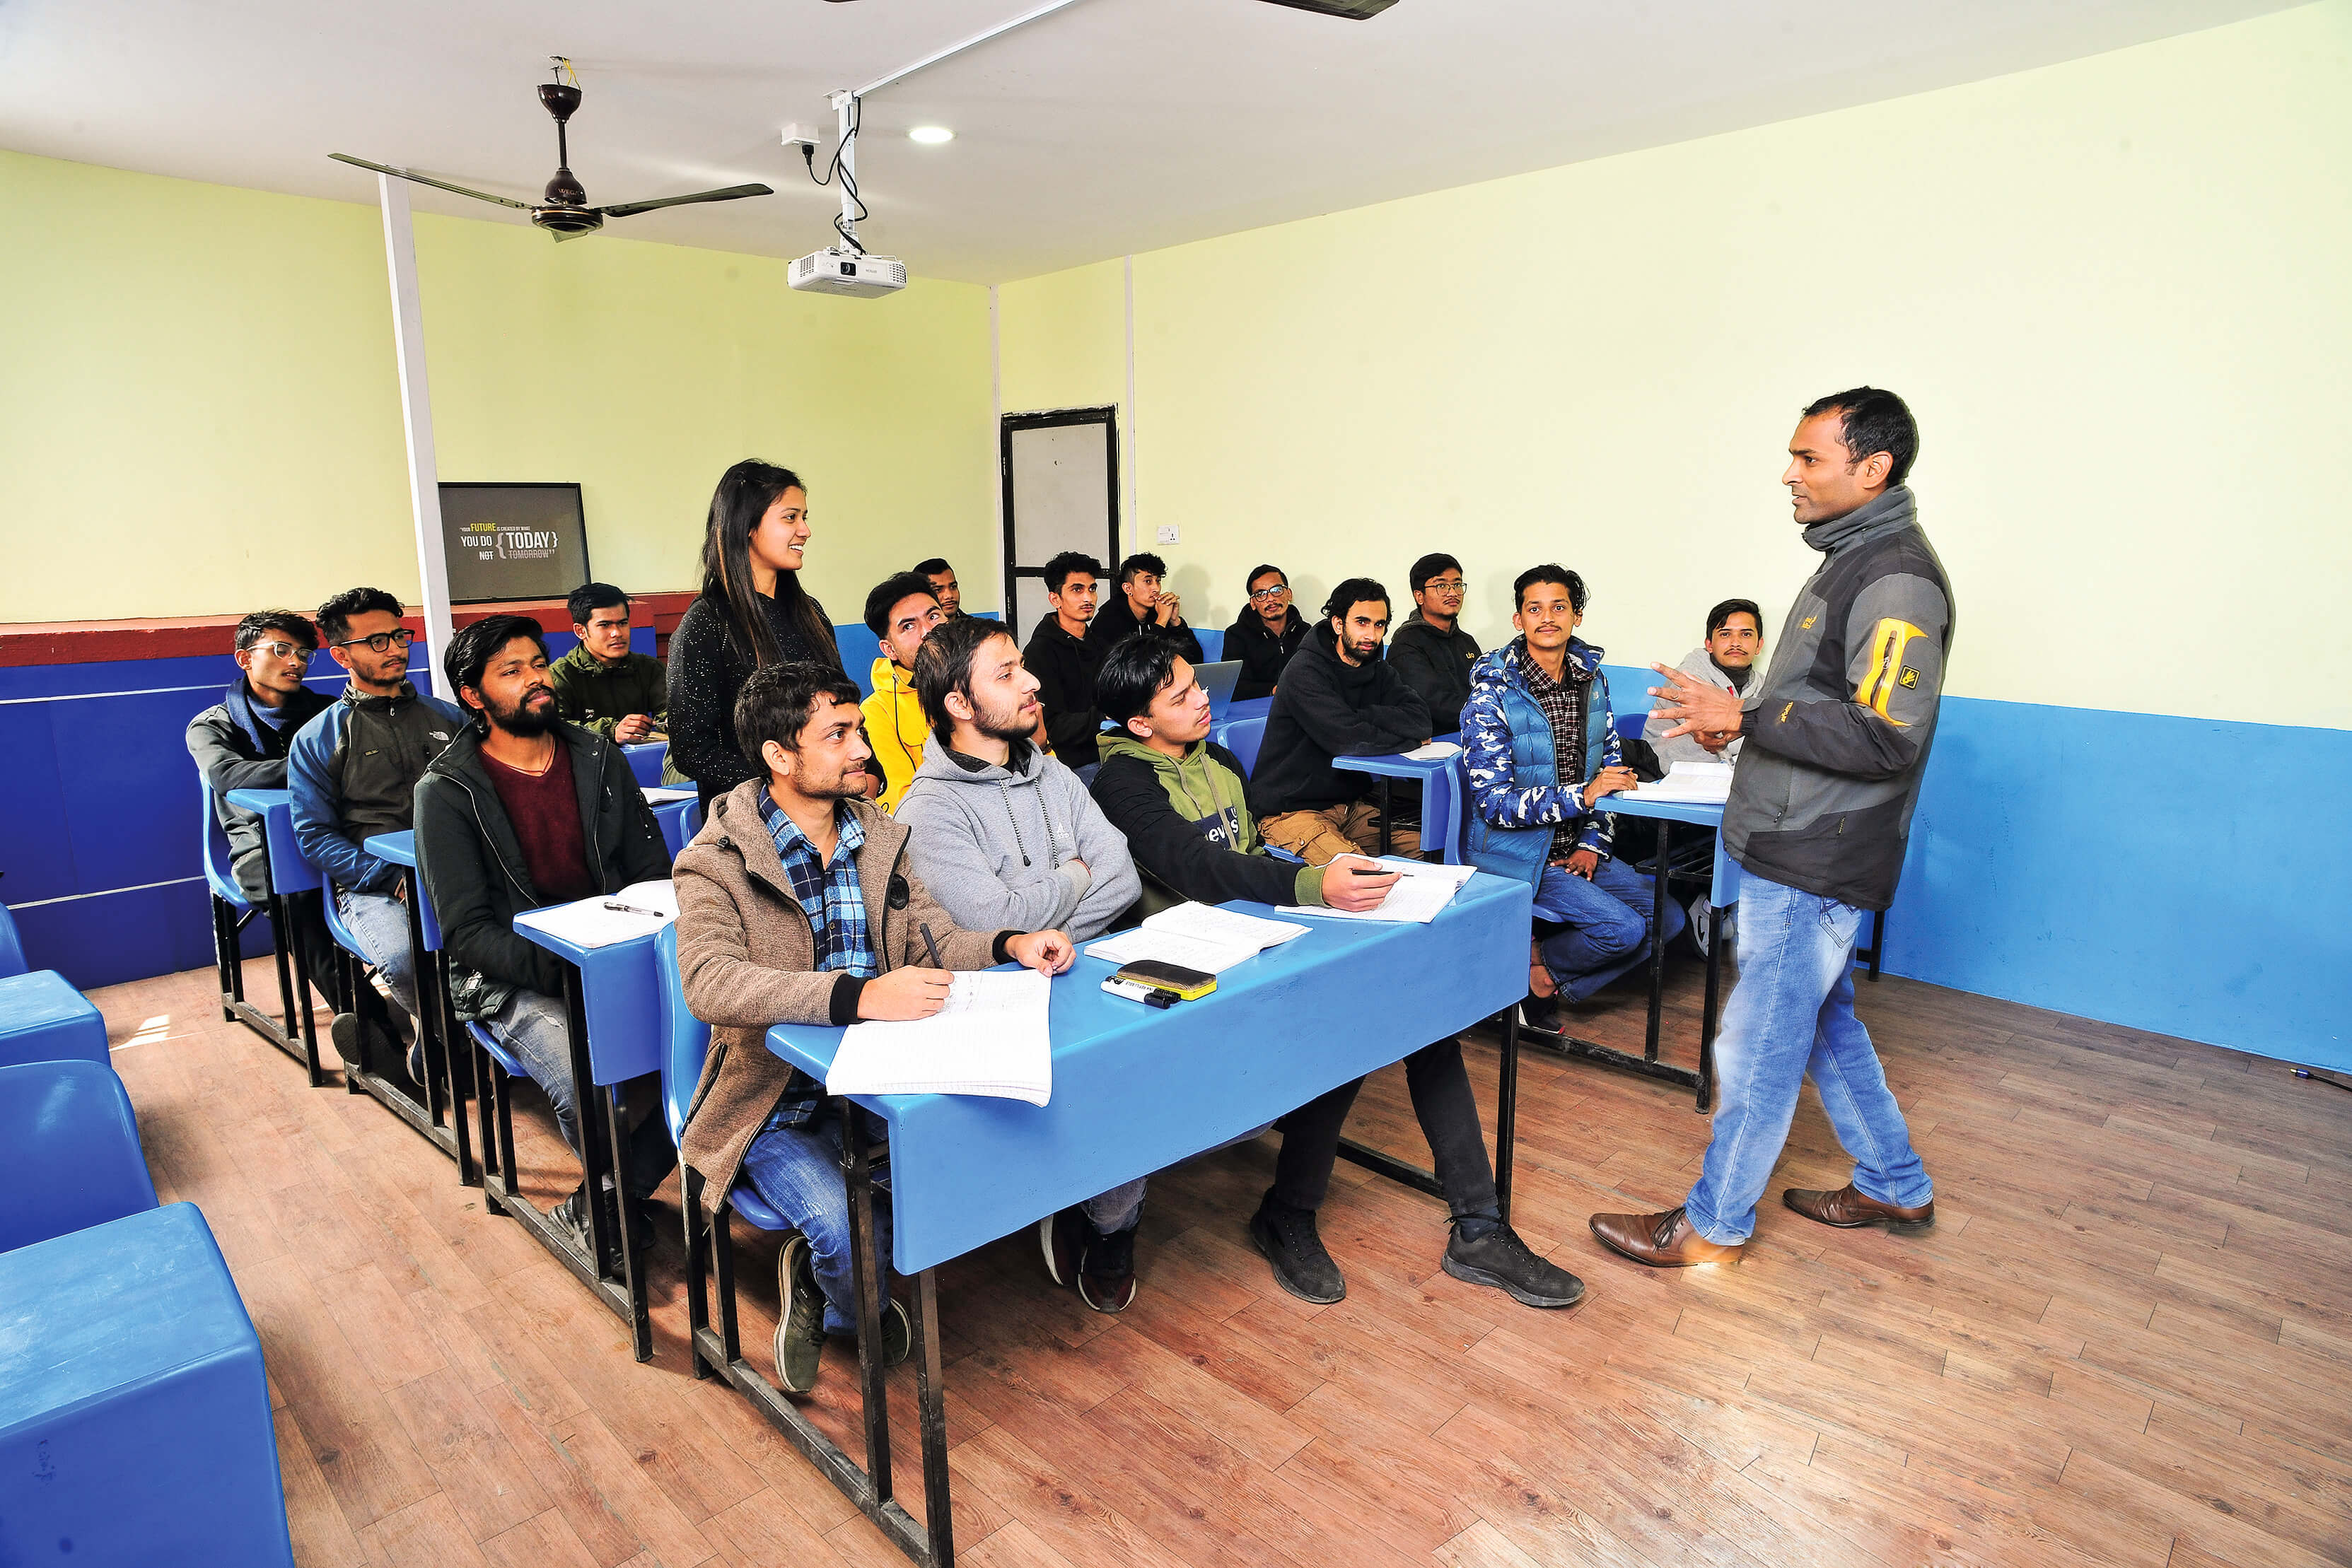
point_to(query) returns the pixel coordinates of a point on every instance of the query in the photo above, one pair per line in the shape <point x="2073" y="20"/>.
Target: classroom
<point x="1069" y="794"/>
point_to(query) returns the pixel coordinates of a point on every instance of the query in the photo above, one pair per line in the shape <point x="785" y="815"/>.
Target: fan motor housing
<point x="567" y="220"/>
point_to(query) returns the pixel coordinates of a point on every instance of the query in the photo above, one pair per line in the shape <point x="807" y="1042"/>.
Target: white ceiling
<point x="1115" y="126"/>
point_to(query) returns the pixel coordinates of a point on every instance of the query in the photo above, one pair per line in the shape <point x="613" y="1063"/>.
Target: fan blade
<point x="422" y="179"/>
<point x="1354" y="10"/>
<point x="732" y="193"/>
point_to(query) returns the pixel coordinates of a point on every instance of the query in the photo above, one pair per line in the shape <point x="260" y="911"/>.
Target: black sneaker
<point x="898" y="1335"/>
<point x="1062" y="1236"/>
<point x="1106" y="1271"/>
<point x="571" y="1217"/>
<point x="1288" y="1238"/>
<point x="1540" y="1013"/>
<point x="1501" y="1260"/>
<point x="800" y="1328"/>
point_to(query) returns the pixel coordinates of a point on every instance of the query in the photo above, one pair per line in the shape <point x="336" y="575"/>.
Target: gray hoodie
<point x="1683" y="747"/>
<point x="1000" y="847"/>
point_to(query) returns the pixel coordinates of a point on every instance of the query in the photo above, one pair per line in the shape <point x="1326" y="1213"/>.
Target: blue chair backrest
<point x="646" y="761"/>
<point x="1445" y="810"/>
<point x="1631" y="725"/>
<point x="12" y="948"/>
<point x="1243" y="737"/>
<point x="685" y="1038"/>
<point x="1213" y="645"/>
<point x="216" y="857"/>
<point x="689" y="821"/>
<point x="69" y="1155"/>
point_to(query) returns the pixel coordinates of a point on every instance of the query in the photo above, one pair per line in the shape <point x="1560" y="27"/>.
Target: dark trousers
<point x="1448" y="1114"/>
<point x="310" y="932"/>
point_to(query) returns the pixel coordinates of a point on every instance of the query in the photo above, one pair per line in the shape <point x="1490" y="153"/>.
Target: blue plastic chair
<point x="12" y="948"/>
<point x="1629" y="726"/>
<point x="1443" y="801"/>
<point x="69" y="1155"/>
<point x="1243" y="737"/>
<point x="646" y="761"/>
<point x="685" y="1043"/>
<point x="232" y="911"/>
<point x="689" y="823"/>
<point x="1213" y="645"/>
<point x="44" y="1018"/>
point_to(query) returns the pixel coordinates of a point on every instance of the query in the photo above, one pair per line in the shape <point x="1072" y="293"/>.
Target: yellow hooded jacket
<point x="895" y="729"/>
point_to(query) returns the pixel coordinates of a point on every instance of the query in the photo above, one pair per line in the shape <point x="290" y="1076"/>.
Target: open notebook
<point x="1695" y="783"/>
<point x="991" y="1039"/>
<point x="1422" y="890"/>
<point x="1197" y="936"/>
<point x="643" y="908"/>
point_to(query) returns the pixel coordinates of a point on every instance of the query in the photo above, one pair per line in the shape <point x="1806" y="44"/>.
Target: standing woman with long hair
<point x="752" y="611"/>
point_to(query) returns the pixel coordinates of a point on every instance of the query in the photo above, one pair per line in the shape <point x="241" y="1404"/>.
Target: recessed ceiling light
<point x="931" y="135"/>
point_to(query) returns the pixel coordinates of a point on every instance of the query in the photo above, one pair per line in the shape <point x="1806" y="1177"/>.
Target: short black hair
<point x="1132" y="673"/>
<point x="297" y="627"/>
<point x="944" y="664"/>
<point x="334" y="617"/>
<point x="1142" y="561"/>
<point x="1256" y="572"/>
<point x="590" y="597"/>
<point x="931" y="567"/>
<point x="777" y="700"/>
<point x="470" y="651"/>
<point x="1876" y="420"/>
<point x="1068" y="564"/>
<point x="1550" y="571"/>
<point x="1353" y="592"/>
<point x="1429" y="566"/>
<point x="887" y="593"/>
<point x="1731" y="607"/>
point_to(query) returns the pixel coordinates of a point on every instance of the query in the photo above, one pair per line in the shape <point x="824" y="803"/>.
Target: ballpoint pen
<point x="619" y="908"/>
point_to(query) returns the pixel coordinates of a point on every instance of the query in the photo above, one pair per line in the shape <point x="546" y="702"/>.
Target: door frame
<point x="1051" y="419"/>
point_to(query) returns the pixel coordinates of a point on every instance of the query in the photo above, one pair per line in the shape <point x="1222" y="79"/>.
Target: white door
<point x="1061" y="493"/>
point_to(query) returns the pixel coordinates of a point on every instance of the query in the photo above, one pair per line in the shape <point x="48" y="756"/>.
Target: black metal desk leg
<point x="284" y="906"/>
<point x="1506" y="1113"/>
<point x="697" y="1284"/>
<point x="857" y="1171"/>
<point x="939" y="1512"/>
<point x="594" y="1152"/>
<point x="1657" y="948"/>
<point x="614" y="1104"/>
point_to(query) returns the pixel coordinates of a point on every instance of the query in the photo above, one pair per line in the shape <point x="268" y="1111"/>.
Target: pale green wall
<point x="199" y="413"/>
<point x="2113" y="291"/>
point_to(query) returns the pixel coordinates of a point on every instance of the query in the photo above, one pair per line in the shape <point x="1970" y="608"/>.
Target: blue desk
<point x="1135" y="1091"/>
<point x="1723" y="891"/>
<point x="671" y="816"/>
<point x="613" y="1006"/>
<point x="445" y="1086"/>
<point x="646" y="759"/>
<point x="287" y="877"/>
<point x="1390" y="766"/>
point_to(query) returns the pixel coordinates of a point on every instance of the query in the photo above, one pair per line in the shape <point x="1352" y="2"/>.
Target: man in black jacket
<point x="522" y="811"/>
<point x="1338" y="698"/>
<point x="1142" y="605"/>
<point x="1064" y="658"/>
<point x="1265" y="634"/>
<point x="1179" y="800"/>
<point x="239" y="743"/>
<point x="1431" y="651"/>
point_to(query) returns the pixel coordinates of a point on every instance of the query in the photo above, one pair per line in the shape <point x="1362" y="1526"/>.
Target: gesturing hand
<point x="1356" y="885"/>
<point x="1047" y="952"/>
<point x="903" y="994"/>
<point x="1695" y="705"/>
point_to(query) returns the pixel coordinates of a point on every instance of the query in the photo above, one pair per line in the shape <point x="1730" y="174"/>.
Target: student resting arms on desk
<point x="1179" y="800"/>
<point x="796" y="905"/>
<point x="602" y="686"/>
<point x="1837" y="736"/>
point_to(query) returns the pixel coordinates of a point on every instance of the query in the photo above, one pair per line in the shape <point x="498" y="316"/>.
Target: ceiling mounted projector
<point x="859" y="275"/>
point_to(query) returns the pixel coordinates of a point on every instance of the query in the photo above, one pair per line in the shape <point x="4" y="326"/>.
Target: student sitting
<point x="1140" y="605"/>
<point x="942" y="579"/>
<point x="1179" y="800"/>
<point x="1265" y="634"/>
<point x="601" y="686"/>
<point x="900" y="613"/>
<point x="1338" y="698"/>
<point x="1065" y="659"/>
<point x="522" y="810"/>
<point x="1538" y="722"/>
<point x="1726" y="660"/>
<point x="792" y="910"/>
<point x="240" y="743"/>
<point x="1431" y="651"/>
<point x="351" y="773"/>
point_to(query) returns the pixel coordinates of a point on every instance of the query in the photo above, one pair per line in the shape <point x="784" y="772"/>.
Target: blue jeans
<point x="1790" y="1015"/>
<point x="379" y="924"/>
<point x="1606" y="929"/>
<point x="535" y="1027"/>
<point x="798" y="1171"/>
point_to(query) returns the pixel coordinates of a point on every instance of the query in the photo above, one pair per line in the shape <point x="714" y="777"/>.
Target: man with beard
<point x="524" y="810"/>
<point x="793" y="908"/>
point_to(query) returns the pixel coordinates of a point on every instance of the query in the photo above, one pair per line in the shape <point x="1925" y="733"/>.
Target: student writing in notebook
<point x="1180" y="801"/>
<point x="796" y="905"/>
<point x="524" y="810"/>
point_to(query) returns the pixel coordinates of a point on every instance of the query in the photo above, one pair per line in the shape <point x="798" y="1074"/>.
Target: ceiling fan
<point x="564" y="211"/>
<point x="1354" y="10"/>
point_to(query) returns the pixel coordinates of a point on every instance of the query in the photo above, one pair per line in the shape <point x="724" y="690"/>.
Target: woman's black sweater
<point x="706" y="672"/>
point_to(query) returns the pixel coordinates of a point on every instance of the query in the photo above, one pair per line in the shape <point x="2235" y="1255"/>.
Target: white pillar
<point x="417" y="416"/>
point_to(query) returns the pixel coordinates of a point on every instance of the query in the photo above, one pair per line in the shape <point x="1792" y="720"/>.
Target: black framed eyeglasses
<point x="382" y="642"/>
<point x="1445" y="585"/>
<point x="1275" y="593"/>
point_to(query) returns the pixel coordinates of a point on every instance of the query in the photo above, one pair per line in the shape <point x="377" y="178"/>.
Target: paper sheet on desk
<point x="991" y="1039"/>
<point x="1698" y="783"/>
<point x="1422" y="891"/>
<point x="588" y="922"/>
<point x="1198" y="936"/>
<point x="1431" y="752"/>
<point x="665" y="794"/>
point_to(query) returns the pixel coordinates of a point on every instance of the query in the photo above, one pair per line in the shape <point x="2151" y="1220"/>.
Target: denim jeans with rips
<point x="1607" y="930"/>
<point x="536" y="1027"/>
<point x="1791" y="1016"/>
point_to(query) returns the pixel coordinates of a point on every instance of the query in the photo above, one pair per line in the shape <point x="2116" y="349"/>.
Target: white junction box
<point x="837" y="271"/>
<point x="1169" y="534"/>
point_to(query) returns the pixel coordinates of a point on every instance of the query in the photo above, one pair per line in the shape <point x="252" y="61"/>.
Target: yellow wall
<point x="199" y="413"/>
<point x="2112" y="291"/>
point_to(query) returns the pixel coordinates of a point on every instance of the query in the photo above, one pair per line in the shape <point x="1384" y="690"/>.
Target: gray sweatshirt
<point x="1683" y="747"/>
<point x="1000" y="848"/>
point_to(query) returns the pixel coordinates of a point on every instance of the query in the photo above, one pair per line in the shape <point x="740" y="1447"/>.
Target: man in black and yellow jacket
<point x="1181" y="803"/>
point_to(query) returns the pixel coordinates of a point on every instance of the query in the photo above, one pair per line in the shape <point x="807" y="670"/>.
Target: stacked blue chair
<point x="1243" y="737"/>
<point x="69" y="1155"/>
<point x="232" y="909"/>
<point x="646" y="761"/>
<point x="684" y="1042"/>
<point x="43" y="1018"/>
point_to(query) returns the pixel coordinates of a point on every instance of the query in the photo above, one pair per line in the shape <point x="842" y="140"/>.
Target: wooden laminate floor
<point x="2129" y="1340"/>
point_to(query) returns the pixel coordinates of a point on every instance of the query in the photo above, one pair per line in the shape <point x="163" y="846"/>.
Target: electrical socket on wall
<point x="1169" y="534"/>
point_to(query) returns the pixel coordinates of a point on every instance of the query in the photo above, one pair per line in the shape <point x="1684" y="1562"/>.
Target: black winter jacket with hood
<point x="236" y="748"/>
<point x="1327" y="707"/>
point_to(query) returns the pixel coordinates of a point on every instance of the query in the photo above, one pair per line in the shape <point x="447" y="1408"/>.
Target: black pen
<point x="934" y="946"/>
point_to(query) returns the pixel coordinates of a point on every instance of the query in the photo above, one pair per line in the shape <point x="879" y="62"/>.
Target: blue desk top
<point x="620" y="991"/>
<point x="1248" y="708"/>
<point x="1725" y="888"/>
<point x="398" y="848"/>
<point x="1137" y="1090"/>
<point x="1396" y="765"/>
<point x="288" y="871"/>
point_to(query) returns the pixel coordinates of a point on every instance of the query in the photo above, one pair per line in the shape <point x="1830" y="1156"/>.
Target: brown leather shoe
<point x="1665" y="1240"/>
<point x="1849" y="1207"/>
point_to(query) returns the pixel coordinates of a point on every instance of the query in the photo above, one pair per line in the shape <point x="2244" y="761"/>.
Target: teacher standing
<point x="752" y="613"/>
<point x="1837" y="737"/>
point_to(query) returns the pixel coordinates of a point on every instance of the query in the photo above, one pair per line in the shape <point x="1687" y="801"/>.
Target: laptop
<point x="1218" y="680"/>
